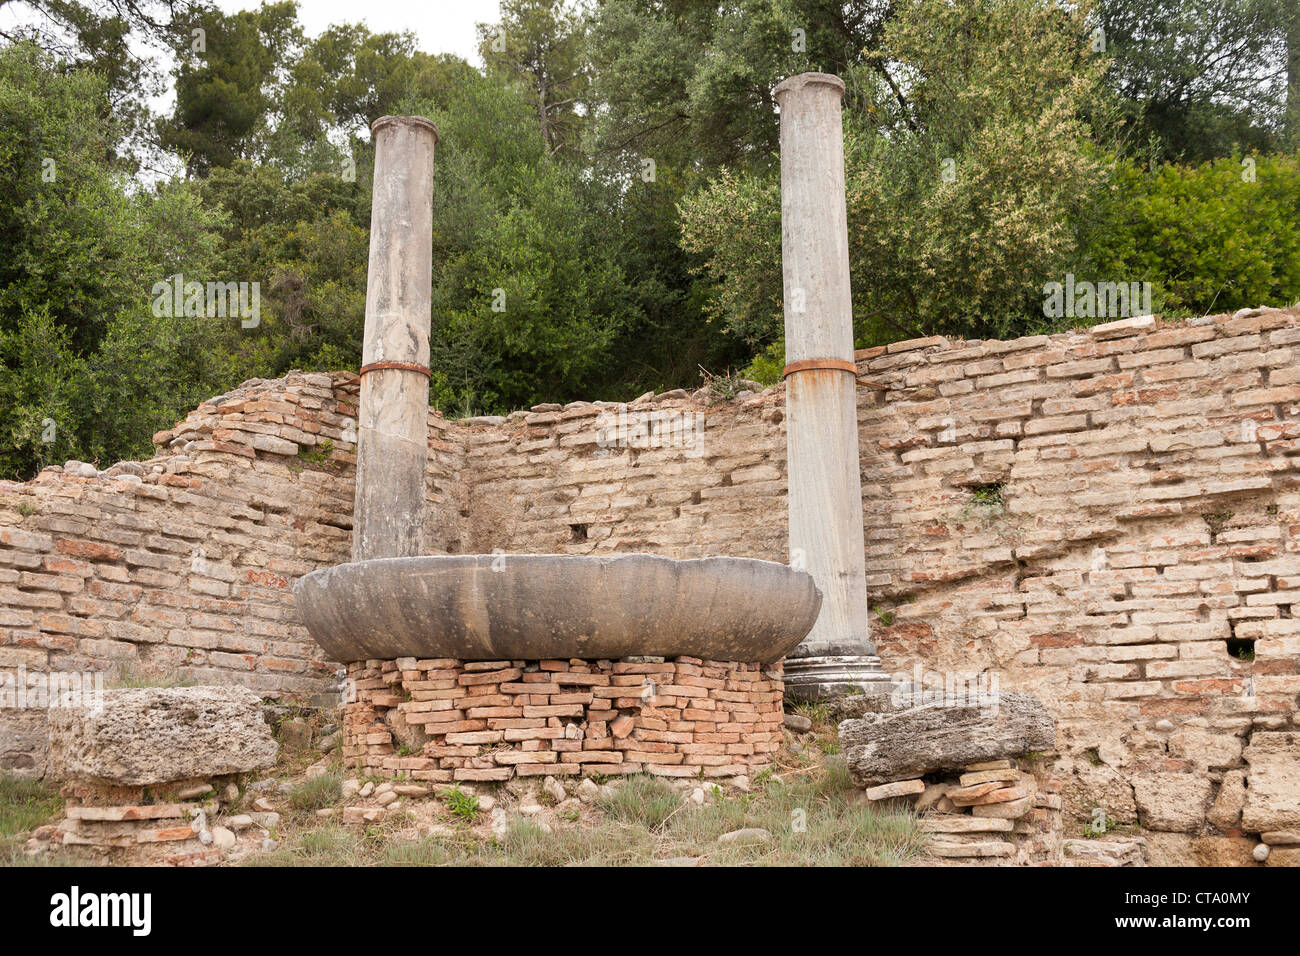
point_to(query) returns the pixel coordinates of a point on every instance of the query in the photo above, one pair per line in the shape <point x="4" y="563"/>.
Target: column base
<point x="834" y="676"/>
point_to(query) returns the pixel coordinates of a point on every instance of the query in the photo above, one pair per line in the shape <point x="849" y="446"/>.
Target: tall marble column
<point x="393" y="426"/>
<point x="825" y="487"/>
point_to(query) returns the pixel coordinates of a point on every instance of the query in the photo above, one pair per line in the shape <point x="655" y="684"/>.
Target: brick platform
<point x="447" y="720"/>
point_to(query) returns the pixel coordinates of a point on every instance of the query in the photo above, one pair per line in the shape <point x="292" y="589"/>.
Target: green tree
<point x="539" y="46"/>
<point x="525" y="301"/>
<point x="227" y="76"/>
<point x="1213" y="237"/>
<point x="1201" y="78"/>
<point x="67" y="227"/>
<point x="75" y="287"/>
<point x="969" y="170"/>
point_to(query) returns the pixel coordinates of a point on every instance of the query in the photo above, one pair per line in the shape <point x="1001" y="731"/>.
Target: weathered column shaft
<point x="825" y="487"/>
<point x="393" y="427"/>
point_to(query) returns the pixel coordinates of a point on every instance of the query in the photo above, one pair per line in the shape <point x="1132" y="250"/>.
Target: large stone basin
<point x="547" y="606"/>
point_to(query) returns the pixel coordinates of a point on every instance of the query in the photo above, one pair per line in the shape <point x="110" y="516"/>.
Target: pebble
<point x="798" y="723"/>
<point x="554" y="789"/>
<point x="500" y="823"/>
<point x="588" y="791"/>
<point x="223" y="838"/>
<point x="367" y="790"/>
<point x="1260" y="853"/>
<point x="241" y="822"/>
<point x="746" y="835"/>
<point x="262" y="805"/>
<point x="387" y="797"/>
<point x="487" y="804"/>
<point x="268" y="845"/>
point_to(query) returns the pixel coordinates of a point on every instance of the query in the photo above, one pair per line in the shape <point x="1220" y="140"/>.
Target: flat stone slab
<point x="990" y="848"/>
<point x="903" y="788"/>
<point x="909" y="742"/>
<point x="960" y="823"/>
<point x="146" y="736"/>
<point x="1273" y="781"/>
<point x="538" y="606"/>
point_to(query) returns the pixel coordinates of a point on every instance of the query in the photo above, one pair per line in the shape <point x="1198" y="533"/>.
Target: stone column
<point x="825" y="495"/>
<point x="393" y="430"/>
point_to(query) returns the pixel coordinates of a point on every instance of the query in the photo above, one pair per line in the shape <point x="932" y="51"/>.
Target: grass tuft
<point x="317" y="793"/>
<point x="643" y="801"/>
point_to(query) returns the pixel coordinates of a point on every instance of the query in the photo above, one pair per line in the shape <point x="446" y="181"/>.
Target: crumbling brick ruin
<point x="1108" y="519"/>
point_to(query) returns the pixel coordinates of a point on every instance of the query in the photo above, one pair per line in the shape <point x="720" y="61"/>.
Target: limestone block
<point x="907" y="743"/>
<point x="1226" y="812"/>
<point x="1172" y="801"/>
<point x="1205" y="748"/>
<point x="148" y="736"/>
<point x="1273" y="782"/>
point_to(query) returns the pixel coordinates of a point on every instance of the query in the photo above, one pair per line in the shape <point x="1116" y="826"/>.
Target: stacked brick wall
<point x="183" y="564"/>
<point x="1109" y="518"/>
<point x="448" y="720"/>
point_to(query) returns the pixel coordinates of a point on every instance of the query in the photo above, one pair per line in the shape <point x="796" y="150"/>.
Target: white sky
<point x="442" y="26"/>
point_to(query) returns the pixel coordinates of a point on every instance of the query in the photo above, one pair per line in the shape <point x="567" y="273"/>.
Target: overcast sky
<point x="442" y="26"/>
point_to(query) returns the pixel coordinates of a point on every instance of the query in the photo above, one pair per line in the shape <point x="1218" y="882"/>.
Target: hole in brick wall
<point x="989" y="493"/>
<point x="1216" y="521"/>
<point x="1203" y="612"/>
<point x="1241" y="648"/>
<point x="577" y="532"/>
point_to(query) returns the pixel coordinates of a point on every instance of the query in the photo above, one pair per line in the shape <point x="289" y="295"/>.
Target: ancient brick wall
<point x="1108" y="518"/>
<point x="183" y="564"/>
<point x="447" y="720"/>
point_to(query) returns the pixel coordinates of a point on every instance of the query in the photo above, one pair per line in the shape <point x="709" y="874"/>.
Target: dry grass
<point x="24" y="805"/>
<point x="807" y="803"/>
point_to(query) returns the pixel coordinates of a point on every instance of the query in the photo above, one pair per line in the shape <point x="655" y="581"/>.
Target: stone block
<point x="907" y="743"/>
<point x="146" y="736"/>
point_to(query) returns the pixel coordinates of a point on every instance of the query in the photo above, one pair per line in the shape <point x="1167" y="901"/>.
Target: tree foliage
<point x="607" y="215"/>
<point x="969" y="167"/>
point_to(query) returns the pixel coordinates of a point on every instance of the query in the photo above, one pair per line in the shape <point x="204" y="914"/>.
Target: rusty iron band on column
<point x="404" y="366"/>
<point x="808" y="365"/>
